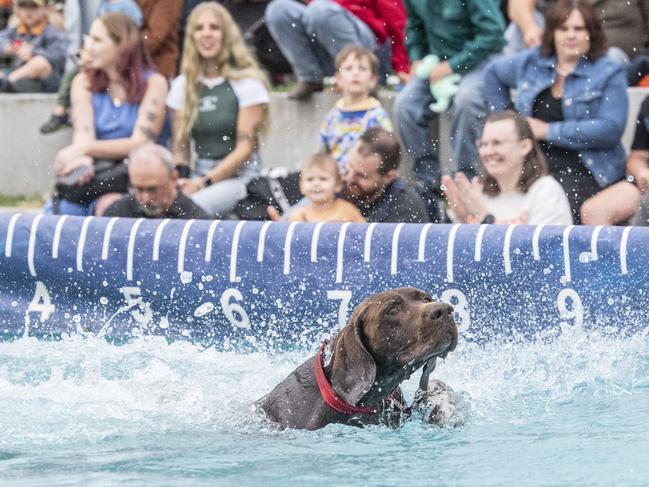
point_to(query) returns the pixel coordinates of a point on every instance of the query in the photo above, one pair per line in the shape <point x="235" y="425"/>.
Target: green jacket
<point x="463" y="32"/>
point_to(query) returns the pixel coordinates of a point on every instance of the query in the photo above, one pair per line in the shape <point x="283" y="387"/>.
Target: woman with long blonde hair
<point x="219" y="102"/>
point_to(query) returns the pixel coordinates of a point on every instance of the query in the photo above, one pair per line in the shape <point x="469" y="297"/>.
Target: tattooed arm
<point x="180" y="148"/>
<point x="149" y="123"/>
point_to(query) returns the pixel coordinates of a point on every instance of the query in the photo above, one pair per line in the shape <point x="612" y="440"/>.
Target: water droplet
<point x="164" y="323"/>
<point x="76" y="318"/>
<point x="103" y="300"/>
<point x="585" y="257"/>
<point x="204" y="309"/>
<point x="610" y="301"/>
<point x="104" y="283"/>
<point x="185" y="277"/>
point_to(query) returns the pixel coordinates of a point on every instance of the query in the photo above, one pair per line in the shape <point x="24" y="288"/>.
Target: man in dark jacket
<point x="373" y="185"/>
<point x="154" y="188"/>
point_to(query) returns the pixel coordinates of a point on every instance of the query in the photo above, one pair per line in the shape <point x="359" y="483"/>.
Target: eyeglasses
<point x="483" y="144"/>
<point x="152" y="190"/>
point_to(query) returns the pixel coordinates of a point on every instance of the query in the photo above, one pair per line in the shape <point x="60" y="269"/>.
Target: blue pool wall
<point x="258" y="284"/>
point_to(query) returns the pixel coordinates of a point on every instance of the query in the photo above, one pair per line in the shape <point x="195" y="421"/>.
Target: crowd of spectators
<point x="166" y="123"/>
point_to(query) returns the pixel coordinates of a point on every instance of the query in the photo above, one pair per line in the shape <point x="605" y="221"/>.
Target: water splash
<point x="84" y="394"/>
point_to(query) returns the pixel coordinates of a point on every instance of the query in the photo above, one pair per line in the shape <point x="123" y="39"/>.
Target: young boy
<point x="320" y="182"/>
<point x="37" y="49"/>
<point x="356" y="76"/>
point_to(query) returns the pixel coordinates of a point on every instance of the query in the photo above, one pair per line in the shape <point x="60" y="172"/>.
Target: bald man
<point x="154" y="189"/>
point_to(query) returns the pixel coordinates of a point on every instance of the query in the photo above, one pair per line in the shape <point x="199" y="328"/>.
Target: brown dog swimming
<point x="356" y="379"/>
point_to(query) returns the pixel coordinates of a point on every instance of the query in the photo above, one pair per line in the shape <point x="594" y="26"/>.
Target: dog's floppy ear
<point x="353" y="368"/>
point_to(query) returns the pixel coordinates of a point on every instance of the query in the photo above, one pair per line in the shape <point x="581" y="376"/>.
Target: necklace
<point x="117" y="100"/>
<point x="210" y="71"/>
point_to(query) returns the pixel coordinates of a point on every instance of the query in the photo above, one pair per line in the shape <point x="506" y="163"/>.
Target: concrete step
<point x="27" y="155"/>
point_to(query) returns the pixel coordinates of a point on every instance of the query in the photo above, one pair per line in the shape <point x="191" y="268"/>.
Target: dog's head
<point x="392" y="333"/>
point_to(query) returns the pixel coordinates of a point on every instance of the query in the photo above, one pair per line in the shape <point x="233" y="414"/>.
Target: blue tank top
<point x="113" y="122"/>
<point x="116" y="122"/>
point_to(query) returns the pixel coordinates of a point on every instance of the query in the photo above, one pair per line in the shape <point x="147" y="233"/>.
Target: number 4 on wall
<point x="41" y="302"/>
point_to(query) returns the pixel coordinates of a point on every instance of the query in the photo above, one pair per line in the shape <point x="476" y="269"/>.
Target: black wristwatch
<point x="183" y="170"/>
<point x="489" y="218"/>
<point x="207" y="181"/>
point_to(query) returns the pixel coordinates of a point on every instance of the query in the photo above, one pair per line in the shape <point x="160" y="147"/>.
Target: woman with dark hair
<point x="118" y="104"/>
<point x="516" y="186"/>
<point x="575" y="99"/>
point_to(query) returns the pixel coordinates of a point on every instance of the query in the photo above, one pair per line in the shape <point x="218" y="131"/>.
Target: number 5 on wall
<point x="132" y="296"/>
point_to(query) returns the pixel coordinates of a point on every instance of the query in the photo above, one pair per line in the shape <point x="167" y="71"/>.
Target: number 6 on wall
<point x="232" y="310"/>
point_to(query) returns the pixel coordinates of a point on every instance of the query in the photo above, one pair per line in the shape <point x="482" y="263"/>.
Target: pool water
<point x="573" y="410"/>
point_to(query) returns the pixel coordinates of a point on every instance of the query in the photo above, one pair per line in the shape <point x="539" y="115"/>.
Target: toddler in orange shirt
<point x="320" y="182"/>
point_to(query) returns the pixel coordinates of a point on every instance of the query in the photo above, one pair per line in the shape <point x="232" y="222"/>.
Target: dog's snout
<point x="439" y="310"/>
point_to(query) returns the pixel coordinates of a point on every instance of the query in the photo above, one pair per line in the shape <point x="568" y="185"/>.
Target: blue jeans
<point x="514" y="36"/>
<point x="468" y="111"/>
<point x="311" y="35"/>
<point x="78" y="15"/>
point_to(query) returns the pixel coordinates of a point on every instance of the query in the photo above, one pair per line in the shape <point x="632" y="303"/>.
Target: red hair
<point x="133" y="60"/>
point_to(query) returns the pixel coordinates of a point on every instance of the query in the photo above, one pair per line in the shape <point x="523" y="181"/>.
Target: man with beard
<point x="371" y="181"/>
<point x="154" y="189"/>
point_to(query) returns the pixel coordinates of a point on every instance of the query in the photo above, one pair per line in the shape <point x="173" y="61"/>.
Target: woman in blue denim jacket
<point x="575" y="99"/>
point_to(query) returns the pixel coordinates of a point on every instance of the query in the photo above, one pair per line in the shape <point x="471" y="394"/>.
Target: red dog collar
<point x="327" y="392"/>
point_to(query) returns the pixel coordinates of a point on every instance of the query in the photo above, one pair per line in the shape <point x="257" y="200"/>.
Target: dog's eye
<point x="427" y="299"/>
<point x="393" y="309"/>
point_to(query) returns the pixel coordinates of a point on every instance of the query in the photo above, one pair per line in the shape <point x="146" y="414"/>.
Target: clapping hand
<point x="465" y="197"/>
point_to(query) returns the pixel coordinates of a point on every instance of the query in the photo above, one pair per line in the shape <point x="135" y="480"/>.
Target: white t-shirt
<point x="545" y="203"/>
<point x="249" y="91"/>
